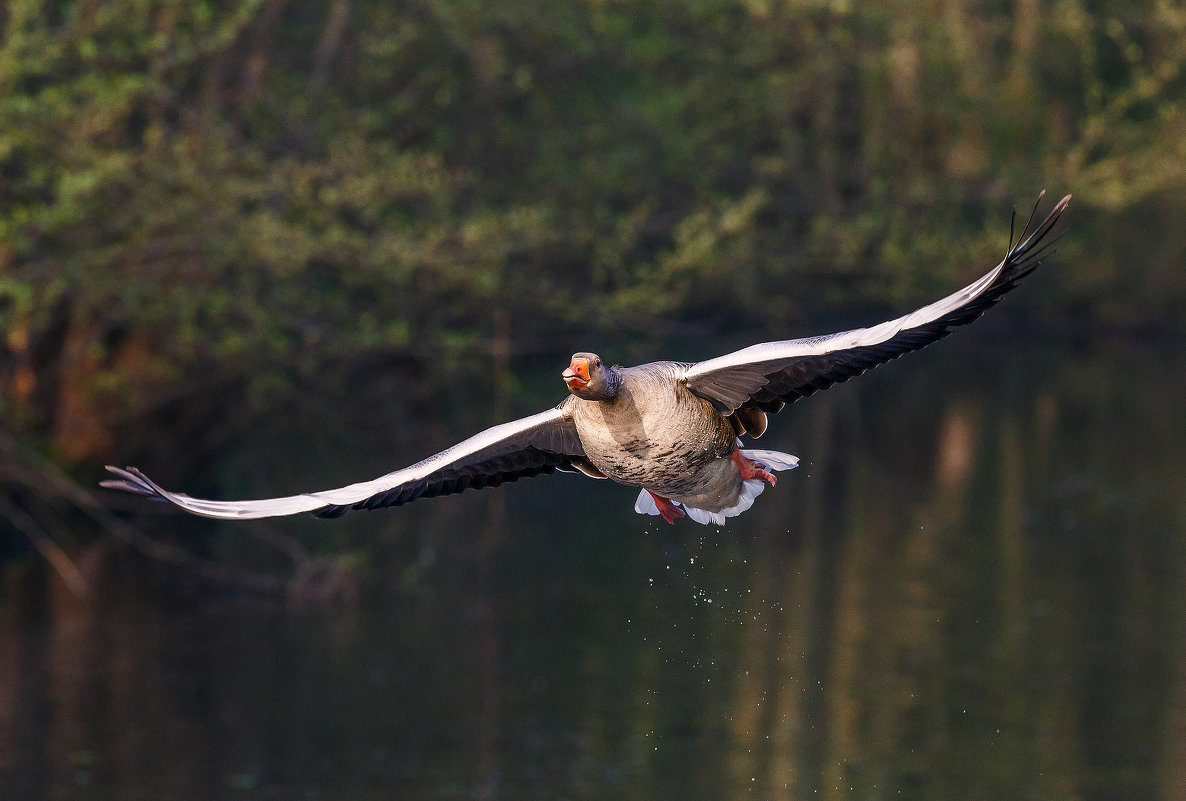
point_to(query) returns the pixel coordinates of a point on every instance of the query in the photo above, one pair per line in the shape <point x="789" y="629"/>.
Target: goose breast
<point x="655" y="433"/>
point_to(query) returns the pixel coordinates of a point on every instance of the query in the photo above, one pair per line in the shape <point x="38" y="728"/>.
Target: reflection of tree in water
<point x="960" y="593"/>
<point x="963" y="634"/>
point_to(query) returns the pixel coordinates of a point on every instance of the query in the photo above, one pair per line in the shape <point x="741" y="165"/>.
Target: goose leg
<point x="751" y="469"/>
<point x="667" y="509"/>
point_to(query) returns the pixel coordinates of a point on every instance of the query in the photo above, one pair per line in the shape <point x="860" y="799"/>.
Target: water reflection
<point x="971" y="589"/>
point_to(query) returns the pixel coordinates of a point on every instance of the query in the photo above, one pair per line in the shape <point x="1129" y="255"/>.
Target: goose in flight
<point x="673" y="429"/>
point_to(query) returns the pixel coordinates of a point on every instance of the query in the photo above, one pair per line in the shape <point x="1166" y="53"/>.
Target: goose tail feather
<point x="750" y="490"/>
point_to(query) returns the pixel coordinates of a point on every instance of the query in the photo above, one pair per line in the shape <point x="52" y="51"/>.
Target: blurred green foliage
<point x="235" y="198"/>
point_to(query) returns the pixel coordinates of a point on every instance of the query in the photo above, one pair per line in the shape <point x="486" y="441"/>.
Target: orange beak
<point x="577" y="374"/>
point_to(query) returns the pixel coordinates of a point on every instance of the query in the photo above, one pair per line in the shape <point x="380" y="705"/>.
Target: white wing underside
<point x="486" y="441"/>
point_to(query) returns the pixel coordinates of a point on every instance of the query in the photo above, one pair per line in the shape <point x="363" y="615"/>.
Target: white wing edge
<point x="863" y="337"/>
<point x="859" y="337"/>
<point x="135" y="481"/>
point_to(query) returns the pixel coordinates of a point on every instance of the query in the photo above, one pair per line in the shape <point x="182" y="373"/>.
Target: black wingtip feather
<point x="810" y="374"/>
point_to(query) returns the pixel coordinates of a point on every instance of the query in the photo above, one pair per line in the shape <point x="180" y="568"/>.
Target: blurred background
<point x="269" y="246"/>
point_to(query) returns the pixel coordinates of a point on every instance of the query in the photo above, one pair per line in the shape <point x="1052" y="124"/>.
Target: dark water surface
<point x="972" y="589"/>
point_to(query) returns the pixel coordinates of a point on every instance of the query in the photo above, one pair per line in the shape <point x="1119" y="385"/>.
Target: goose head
<point x="589" y="379"/>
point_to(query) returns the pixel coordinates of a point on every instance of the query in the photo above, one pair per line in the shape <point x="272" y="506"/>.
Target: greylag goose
<point x="673" y="429"/>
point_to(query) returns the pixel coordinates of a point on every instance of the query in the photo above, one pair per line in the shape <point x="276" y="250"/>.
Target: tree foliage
<point x="230" y="197"/>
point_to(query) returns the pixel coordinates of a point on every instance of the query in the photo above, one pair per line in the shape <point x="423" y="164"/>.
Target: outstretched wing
<point x="542" y="443"/>
<point x="763" y="378"/>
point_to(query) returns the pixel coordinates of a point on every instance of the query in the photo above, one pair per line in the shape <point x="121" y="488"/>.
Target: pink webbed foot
<point x="751" y="469"/>
<point x="668" y="510"/>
